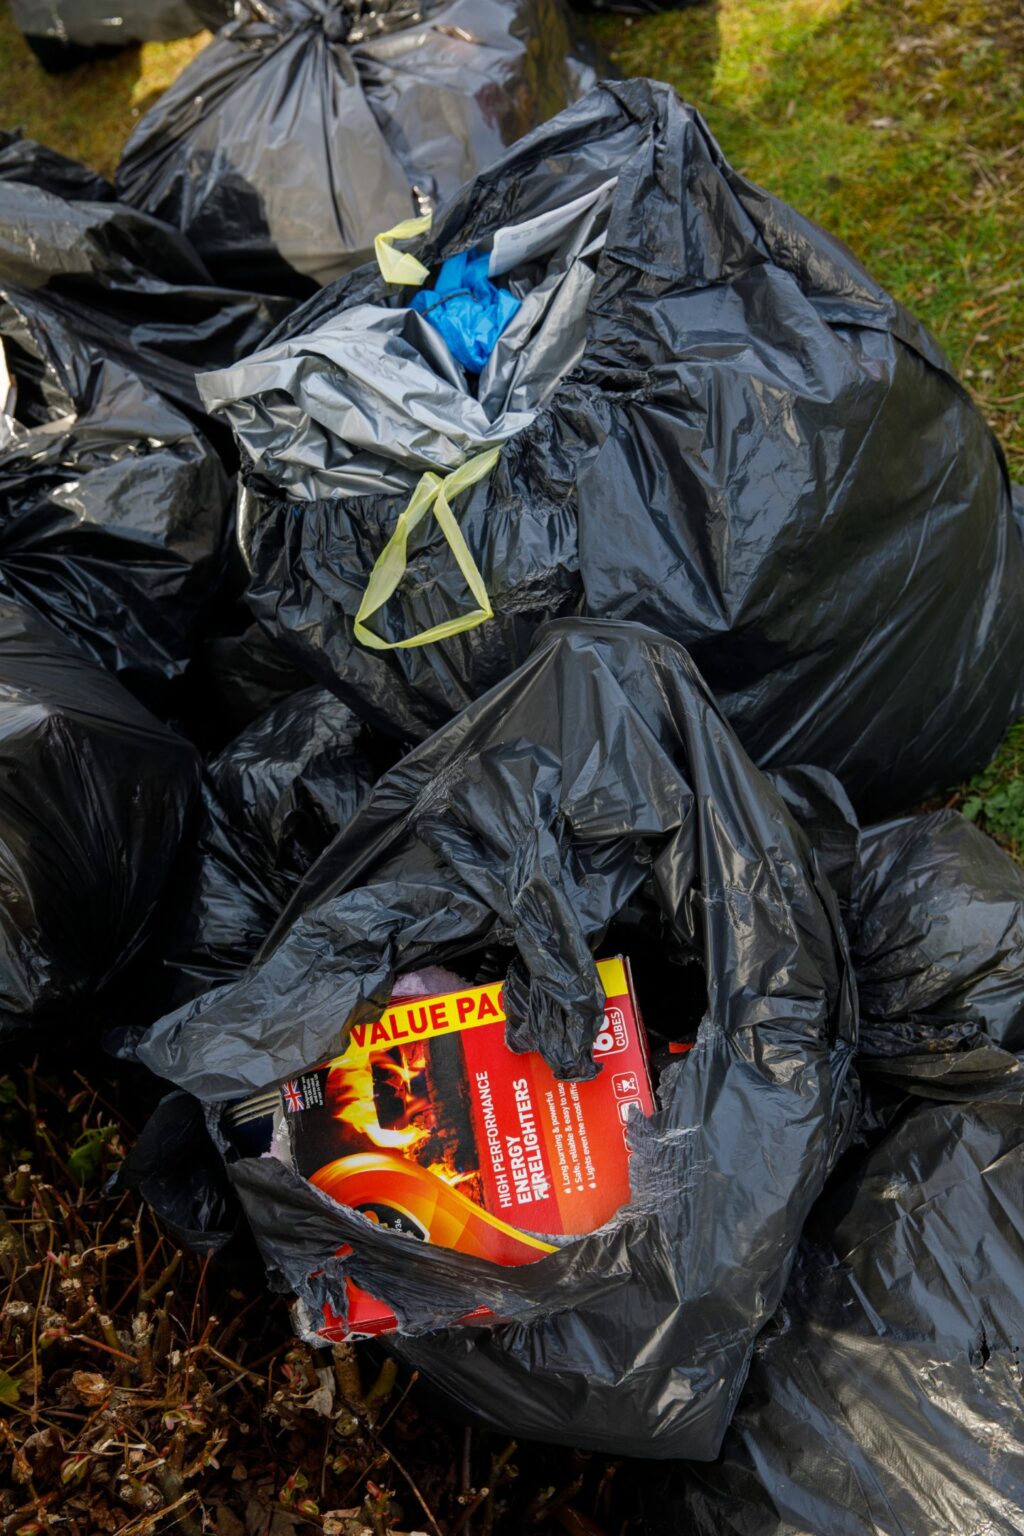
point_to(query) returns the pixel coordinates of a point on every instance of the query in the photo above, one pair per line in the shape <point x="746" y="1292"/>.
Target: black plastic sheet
<point x="240" y="676"/>
<point x="272" y="802"/>
<point x="759" y="452"/>
<point x="308" y="126"/>
<point x="598" y="777"/>
<point x="178" y="1170"/>
<point x="938" y="938"/>
<point x="113" y="508"/>
<point x="885" y="1398"/>
<point x="95" y="796"/>
<point x="116" y="282"/>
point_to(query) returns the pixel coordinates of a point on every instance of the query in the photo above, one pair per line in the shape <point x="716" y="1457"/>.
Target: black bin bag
<point x="125" y="286"/>
<point x="65" y="33"/>
<point x="308" y="126"/>
<point x="272" y="801"/>
<point x="594" y="795"/>
<point x="114" y="508"/>
<point x="244" y="674"/>
<point x="884" y="1398"/>
<point x="95" y="797"/>
<point x="704" y="416"/>
<point x="938" y="945"/>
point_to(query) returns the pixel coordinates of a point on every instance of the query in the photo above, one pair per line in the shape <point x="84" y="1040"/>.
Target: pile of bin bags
<point x="597" y="801"/>
<point x="308" y="126"/>
<point x="116" y="518"/>
<point x="704" y="416"/>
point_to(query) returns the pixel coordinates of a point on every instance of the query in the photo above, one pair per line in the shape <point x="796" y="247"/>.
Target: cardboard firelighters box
<point x="429" y="1124"/>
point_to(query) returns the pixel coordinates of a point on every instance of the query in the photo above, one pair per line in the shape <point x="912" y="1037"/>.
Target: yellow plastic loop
<point x="432" y="494"/>
<point x="401" y="267"/>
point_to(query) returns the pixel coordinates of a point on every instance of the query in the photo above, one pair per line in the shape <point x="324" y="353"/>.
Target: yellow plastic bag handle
<point x="432" y="494"/>
<point x="401" y="267"/>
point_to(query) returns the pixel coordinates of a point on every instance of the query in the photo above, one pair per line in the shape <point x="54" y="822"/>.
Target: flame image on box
<point x="429" y="1123"/>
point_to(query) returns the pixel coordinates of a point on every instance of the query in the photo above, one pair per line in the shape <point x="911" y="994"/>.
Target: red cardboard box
<point x="430" y="1124"/>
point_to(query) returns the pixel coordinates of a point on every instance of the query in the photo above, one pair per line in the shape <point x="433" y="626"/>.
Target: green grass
<point x="995" y="798"/>
<point x="89" y="112"/>
<point x="898" y="124"/>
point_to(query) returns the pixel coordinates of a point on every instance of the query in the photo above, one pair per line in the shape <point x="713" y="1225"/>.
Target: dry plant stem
<point x="347" y="1375"/>
<point x="467" y="1464"/>
<point x="175" y="1493"/>
<point x="497" y="1467"/>
<point x="419" y="1497"/>
<point x="381" y="1390"/>
<point x="232" y="1365"/>
<point x="14" y="1259"/>
<point x="413" y="1379"/>
<point x="153" y="1292"/>
<point x="22" y="1184"/>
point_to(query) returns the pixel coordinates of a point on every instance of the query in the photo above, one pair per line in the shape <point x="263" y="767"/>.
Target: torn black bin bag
<point x="118" y="282"/>
<point x="95" y="795"/>
<point x="113" y="508"/>
<point x="308" y="126"/>
<point x="599" y="774"/>
<point x="65" y="33"/>
<point x="272" y="802"/>
<point x="885" y="1397"/>
<point x="705" y="416"/>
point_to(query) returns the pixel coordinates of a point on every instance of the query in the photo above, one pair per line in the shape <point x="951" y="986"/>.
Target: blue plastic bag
<point x="467" y="309"/>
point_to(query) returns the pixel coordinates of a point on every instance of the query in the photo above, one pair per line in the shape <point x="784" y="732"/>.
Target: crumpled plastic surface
<point x="95" y="796"/>
<point x="307" y="127"/>
<point x="114" y="281"/>
<point x="272" y="802"/>
<point x="938" y="941"/>
<point x="884" y="1399"/>
<point x="467" y="308"/>
<point x="759" y="452"/>
<point x="178" y="1170"/>
<point x="599" y="778"/>
<point x="23" y="159"/>
<point x="113" y="507"/>
<point x="242" y="675"/>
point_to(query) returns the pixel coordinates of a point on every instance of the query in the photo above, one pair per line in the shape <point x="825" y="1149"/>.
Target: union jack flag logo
<point x="292" y="1094"/>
